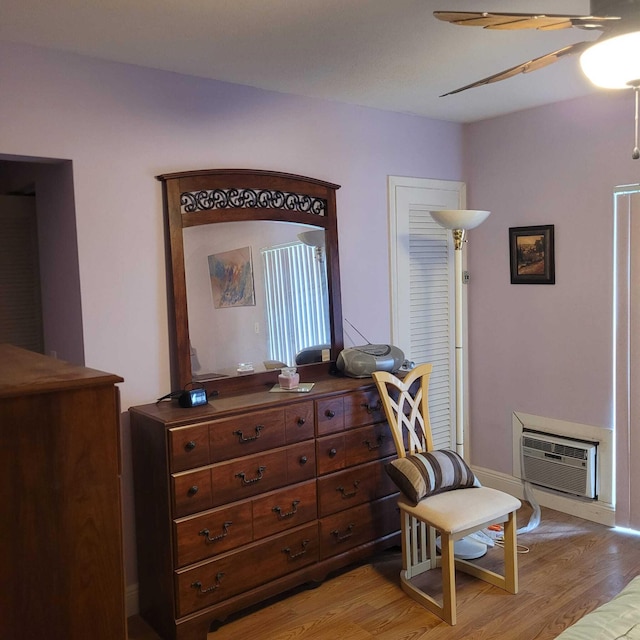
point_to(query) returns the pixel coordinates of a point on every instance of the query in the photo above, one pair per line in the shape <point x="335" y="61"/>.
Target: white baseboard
<point x="593" y="510"/>
<point x="131" y="600"/>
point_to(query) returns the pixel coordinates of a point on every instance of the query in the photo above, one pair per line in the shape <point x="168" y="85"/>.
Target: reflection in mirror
<point x="257" y="296"/>
<point x="235" y="302"/>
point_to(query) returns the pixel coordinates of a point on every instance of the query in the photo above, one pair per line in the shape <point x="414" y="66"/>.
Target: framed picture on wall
<point x="532" y="255"/>
<point x="231" y="274"/>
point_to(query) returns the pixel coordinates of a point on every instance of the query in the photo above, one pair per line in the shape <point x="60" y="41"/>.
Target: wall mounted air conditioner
<point x="559" y="463"/>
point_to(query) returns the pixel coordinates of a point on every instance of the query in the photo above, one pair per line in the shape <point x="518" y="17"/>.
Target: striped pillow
<point x="425" y="474"/>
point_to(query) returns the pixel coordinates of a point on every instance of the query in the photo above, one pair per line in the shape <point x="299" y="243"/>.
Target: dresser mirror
<point x="254" y="276"/>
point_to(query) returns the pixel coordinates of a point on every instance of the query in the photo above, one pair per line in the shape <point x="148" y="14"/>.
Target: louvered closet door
<point x="20" y="304"/>
<point x="422" y="289"/>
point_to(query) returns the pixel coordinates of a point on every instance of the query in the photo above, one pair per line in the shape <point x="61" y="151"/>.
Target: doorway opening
<point x="39" y="272"/>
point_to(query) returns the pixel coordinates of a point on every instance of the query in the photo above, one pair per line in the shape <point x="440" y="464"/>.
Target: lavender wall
<point x="545" y="350"/>
<point x="122" y="125"/>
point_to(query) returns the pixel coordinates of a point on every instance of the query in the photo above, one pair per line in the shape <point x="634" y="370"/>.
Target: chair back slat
<point x="406" y="405"/>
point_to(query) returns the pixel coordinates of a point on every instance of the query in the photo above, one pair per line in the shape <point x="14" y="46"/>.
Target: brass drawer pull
<point x="260" y="475"/>
<point x="241" y="437"/>
<point x="373" y="447"/>
<point x="287" y="550"/>
<point x="348" y="533"/>
<point x="213" y="587"/>
<point x="344" y="493"/>
<point x="371" y="409"/>
<point x="225" y="530"/>
<point x="287" y="514"/>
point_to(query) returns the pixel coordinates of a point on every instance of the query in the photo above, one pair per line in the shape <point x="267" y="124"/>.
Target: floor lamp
<point x="459" y="221"/>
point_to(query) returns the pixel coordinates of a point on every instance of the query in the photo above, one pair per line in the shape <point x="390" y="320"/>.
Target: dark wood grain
<point x="280" y="470"/>
<point x="174" y="184"/>
<point x="60" y="522"/>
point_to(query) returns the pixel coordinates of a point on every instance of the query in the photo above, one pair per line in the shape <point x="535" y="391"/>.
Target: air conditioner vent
<point x="554" y="447"/>
<point x="559" y="463"/>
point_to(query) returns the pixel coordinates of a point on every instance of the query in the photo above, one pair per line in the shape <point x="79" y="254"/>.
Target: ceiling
<point x="386" y="54"/>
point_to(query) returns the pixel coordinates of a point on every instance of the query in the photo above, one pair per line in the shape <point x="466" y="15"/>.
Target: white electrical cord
<point x="534" y="519"/>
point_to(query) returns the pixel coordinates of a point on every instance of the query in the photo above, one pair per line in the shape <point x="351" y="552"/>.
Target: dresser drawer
<point x="213" y="532"/>
<point x="298" y="422"/>
<point x="331" y="453"/>
<point x="345" y="489"/>
<point x="191" y="492"/>
<point x="363" y="407"/>
<point x="241" y="570"/>
<point x="246" y="434"/>
<point x="369" y="443"/>
<point x="252" y="475"/>
<point x="364" y="523"/>
<point x="354" y="446"/>
<point x="329" y="415"/>
<point x="189" y="447"/>
<point x="284" y="509"/>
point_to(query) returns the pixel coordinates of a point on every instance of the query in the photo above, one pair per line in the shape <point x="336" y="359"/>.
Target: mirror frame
<point x="210" y="196"/>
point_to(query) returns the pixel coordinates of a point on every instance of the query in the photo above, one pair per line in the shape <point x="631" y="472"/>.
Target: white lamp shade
<point x="313" y="238"/>
<point x="459" y="218"/>
<point x="613" y="63"/>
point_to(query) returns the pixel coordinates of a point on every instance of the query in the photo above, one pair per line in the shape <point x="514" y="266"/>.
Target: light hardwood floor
<point x="572" y="567"/>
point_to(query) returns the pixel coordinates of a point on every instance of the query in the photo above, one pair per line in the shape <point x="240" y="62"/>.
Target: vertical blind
<point x="296" y="299"/>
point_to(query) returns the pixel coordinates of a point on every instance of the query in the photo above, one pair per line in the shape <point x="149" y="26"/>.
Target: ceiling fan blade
<point x="544" y="22"/>
<point x="526" y="67"/>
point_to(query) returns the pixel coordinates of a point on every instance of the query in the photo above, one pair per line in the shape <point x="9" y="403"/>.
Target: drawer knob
<point x="287" y="514"/>
<point x="190" y="446"/>
<point x="300" y="421"/>
<point x="372" y="409"/>
<point x="333" y="453"/>
<point x="198" y="585"/>
<point x="303" y="459"/>
<point x="242" y="438"/>
<point x="377" y="445"/>
<point x="343" y="536"/>
<point x="349" y="494"/>
<point x="193" y="490"/>
<point x="245" y="482"/>
<point x="287" y="550"/>
<point x="208" y="538"/>
<point x="330" y="414"/>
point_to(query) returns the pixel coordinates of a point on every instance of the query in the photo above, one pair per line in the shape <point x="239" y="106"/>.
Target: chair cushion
<point x="463" y="510"/>
<point x="424" y="474"/>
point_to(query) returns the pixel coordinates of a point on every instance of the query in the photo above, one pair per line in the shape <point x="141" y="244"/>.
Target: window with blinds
<point x="296" y="299"/>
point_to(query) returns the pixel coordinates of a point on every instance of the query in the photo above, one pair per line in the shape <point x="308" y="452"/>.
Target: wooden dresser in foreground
<point x="254" y="494"/>
<point x="62" y="575"/>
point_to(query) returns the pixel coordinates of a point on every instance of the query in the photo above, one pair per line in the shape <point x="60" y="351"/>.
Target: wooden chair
<point x="453" y="514"/>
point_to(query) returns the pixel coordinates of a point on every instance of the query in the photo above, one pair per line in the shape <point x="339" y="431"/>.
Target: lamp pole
<point x="459" y="221"/>
<point x="458" y="240"/>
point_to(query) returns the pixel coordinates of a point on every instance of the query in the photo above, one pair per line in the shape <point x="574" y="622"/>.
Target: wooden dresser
<point x="253" y="494"/>
<point x="62" y="574"/>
